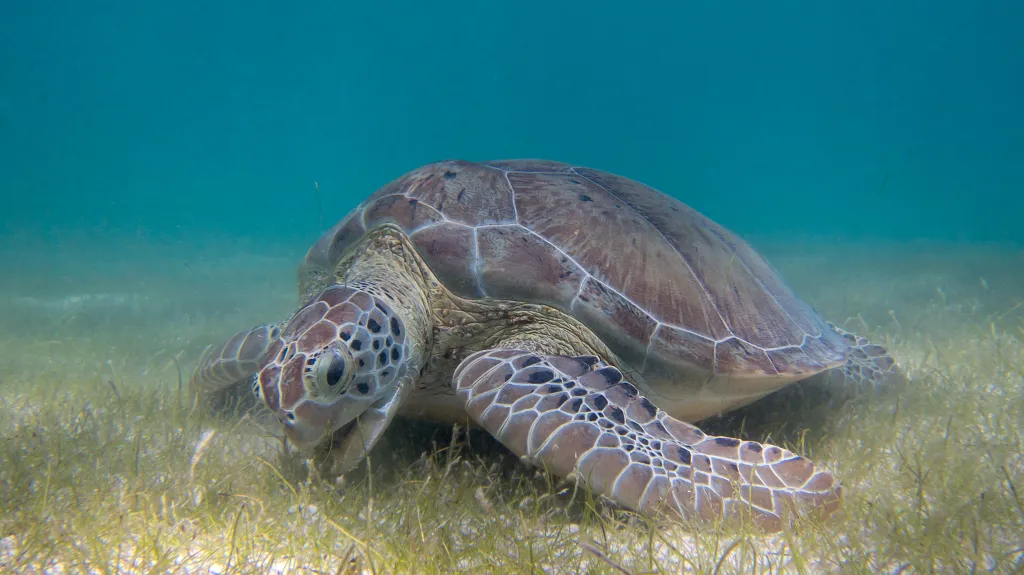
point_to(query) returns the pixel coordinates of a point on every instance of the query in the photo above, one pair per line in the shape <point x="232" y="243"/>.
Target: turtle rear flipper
<point x="224" y="375"/>
<point x="576" y="416"/>
<point x="868" y="366"/>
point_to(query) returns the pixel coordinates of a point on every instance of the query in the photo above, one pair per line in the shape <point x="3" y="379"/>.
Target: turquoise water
<point x="168" y="120"/>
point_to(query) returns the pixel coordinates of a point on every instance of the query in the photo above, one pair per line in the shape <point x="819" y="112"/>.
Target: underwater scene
<point x="485" y="287"/>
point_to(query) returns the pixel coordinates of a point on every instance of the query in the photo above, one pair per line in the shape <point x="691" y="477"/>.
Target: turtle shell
<point x="668" y="290"/>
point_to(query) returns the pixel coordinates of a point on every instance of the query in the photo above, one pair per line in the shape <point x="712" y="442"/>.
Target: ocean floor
<point x="105" y="467"/>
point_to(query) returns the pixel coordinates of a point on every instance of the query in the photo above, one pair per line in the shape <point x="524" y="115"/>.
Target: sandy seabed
<point x="105" y="468"/>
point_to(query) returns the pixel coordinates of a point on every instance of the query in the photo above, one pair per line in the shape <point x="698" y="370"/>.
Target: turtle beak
<point x="311" y="422"/>
<point x="301" y="433"/>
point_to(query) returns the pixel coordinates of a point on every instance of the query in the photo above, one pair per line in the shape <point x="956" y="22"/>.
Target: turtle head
<point x="337" y="356"/>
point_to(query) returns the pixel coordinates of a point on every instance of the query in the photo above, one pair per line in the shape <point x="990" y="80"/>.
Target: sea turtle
<point x="580" y="317"/>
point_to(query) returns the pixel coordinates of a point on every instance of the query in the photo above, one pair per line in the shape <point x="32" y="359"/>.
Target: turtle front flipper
<point x="575" y="416"/>
<point x="224" y="374"/>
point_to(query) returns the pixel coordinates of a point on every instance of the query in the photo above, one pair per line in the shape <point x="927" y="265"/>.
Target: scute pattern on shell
<point x="646" y="272"/>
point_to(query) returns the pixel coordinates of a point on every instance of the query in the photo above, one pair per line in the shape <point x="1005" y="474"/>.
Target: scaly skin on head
<point x="352" y="351"/>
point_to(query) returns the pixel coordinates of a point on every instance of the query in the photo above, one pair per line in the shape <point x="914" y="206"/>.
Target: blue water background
<point x="899" y="120"/>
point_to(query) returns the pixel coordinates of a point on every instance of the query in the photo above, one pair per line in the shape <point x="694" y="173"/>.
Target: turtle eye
<point x="334" y="373"/>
